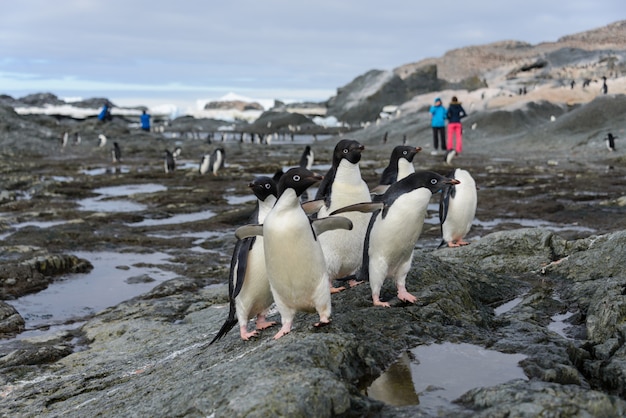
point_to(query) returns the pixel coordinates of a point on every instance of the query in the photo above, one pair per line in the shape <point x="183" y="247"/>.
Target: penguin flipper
<point x="332" y="222"/>
<point x="313" y="206"/>
<point x="365" y="207"/>
<point x="238" y="265"/>
<point x="248" y="231"/>
<point x="379" y="190"/>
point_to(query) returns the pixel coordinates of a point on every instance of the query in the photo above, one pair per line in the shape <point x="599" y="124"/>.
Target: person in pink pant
<point x="455" y="128"/>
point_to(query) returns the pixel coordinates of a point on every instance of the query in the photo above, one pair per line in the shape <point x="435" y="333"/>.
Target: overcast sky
<point x="285" y="49"/>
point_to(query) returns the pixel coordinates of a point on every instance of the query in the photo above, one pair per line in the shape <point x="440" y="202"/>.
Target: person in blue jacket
<point x="438" y="122"/>
<point x="105" y="113"/>
<point x="145" y="121"/>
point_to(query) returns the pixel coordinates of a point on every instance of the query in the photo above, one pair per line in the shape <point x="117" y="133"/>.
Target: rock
<point x="144" y="278"/>
<point x="11" y="322"/>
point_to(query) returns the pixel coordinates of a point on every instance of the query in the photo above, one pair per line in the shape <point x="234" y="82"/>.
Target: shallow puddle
<point x="559" y="325"/>
<point x="76" y="296"/>
<point x="176" y="219"/>
<point x="441" y="373"/>
<point x="104" y="203"/>
<point x="506" y="307"/>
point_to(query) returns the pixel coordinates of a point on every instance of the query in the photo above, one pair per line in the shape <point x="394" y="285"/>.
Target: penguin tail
<point x="228" y="325"/>
<point x="443" y="244"/>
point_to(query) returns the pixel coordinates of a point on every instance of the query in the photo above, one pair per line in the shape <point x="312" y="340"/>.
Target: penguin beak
<point x="361" y="147"/>
<point x="452" y="181"/>
<point x="418" y="149"/>
<point x="317" y="177"/>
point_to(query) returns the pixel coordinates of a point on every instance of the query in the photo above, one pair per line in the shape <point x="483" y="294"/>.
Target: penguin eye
<point x="296" y="178"/>
<point x="267" y="186"/>
<point x="345" y="150"/>
<point x="433" y="181"/>
<point x="404" y="153"/>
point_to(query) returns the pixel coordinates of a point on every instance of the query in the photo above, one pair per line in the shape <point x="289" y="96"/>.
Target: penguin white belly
<point x="404" y="168"/>
<point x="393" y="238"/>
<point x="295" y="263"/>
<point x="204" y="165"/>
<point x="461" y="209"/>
<point x="343" y="250"/>
<point x="255" y="295"/>
<point x="217" y="163"/>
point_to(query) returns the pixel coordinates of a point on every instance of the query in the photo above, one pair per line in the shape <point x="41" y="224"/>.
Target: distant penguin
<point x="400" y="164"/>
<point x="204" y="164"/>
<point x="177" y="152"/>
<point x="77" y="138"/>
<point x="307" y="158"/>
<point x="64" y="139"/>
<point x="393" y="231"/>
<point x="169" y="163"/>
<point x="457" y="209"/>
<point x="610" y="141"/>
<point x="216" y="161"/>
<point x="449" y="157"/>
<point x="343" y="186"/>
<point x="293" y="255"/>
<point x="116" y="153"/>
<point x="385" y="137"/>
<point x="102" y="140"/>
<point x="248" y="288"/>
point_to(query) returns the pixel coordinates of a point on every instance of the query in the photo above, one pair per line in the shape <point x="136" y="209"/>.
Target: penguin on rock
<point x="307" y="158"/>
<point x="169" y="163"/>
<point x="248" y="287"/>
<point x="400" y="165"/>
<point x="343" y="186"/>
<point x="216" y="162"/>
<point x="295" y="264"/>
<point x="457" y="209"/>
<point x="395" y="225"/>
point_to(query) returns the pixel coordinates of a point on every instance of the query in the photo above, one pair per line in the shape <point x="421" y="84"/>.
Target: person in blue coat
<point x="145" y="121"/>
<point x="438" y="122"/>
<point x="105" y="113"/>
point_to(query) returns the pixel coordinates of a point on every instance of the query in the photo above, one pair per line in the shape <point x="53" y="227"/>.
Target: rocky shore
<point x="543" y="277"/>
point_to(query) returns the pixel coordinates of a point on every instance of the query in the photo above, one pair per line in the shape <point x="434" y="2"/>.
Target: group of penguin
<point x="291" y="252"/>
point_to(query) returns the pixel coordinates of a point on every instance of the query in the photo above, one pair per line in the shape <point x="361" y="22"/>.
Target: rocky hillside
<point x="509" y="65"/>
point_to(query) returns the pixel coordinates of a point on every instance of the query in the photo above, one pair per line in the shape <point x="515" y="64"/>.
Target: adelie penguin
<point x="307" y="158"/>
<point x="169" y="163"/>
<point x="116" y="153"/>
<point x="457" y="209"/>
<point x="395" y="225"/>
<point x="248" y="287"/>
<point x="216" y="162"/>
<point x="294" y="259"/>
<point x="610" y="142"/>
<point x="400" y="165"/>
<point x="343" y="186"/>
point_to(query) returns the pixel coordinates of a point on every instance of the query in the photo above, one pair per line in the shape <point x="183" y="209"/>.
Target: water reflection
<point x="441" y="373"/>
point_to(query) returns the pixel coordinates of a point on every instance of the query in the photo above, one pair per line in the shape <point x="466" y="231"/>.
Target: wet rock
<point x="157" y="344"/>
<point x="532" y="399"/>
<point x="11" y="322"/>
<point x="144" y="278"/>
<point x="35" y="274"/>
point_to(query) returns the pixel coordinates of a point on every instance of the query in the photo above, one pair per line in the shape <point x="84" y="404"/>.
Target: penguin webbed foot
<point x="321" y="323"/>
<point x="405" y="296"/>
<point x="334" y="289"/>
<point x="246" y="335"/>
<point x="262" y="324"/>
<point x="354" y="282"/>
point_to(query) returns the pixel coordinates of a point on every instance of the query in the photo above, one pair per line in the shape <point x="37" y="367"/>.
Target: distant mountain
<point x="506" y="64"/>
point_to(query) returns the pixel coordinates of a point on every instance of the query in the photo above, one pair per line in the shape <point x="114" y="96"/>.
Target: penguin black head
<point x="404" y="151"/>
<point x="428" y="179"/>
<point x="348" y="149"/>
<point x="263" y="187"/>
<point x="299" y="179"/>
